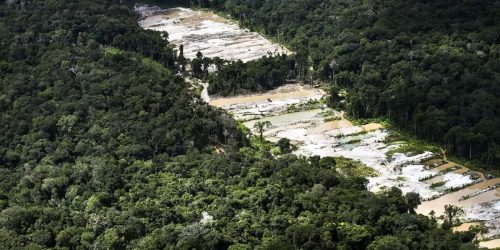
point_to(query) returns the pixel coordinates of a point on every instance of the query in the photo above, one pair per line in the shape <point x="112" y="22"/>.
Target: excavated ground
<point x="208" y="33"/>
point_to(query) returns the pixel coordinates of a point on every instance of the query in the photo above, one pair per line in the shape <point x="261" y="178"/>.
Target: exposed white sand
<point x="453" y="180"/>
<point x="204" y="31"/>
<point x="276" y="102"/>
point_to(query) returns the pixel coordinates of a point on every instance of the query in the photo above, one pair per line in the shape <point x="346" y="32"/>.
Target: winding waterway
<point x="325" y="132"/>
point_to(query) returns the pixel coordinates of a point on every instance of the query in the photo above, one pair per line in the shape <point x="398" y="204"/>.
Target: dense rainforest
<point x="237" y="77"/>
<point x="227" y="78"/>
<point x="431" y="67"/>
<point x="104" y="145"/>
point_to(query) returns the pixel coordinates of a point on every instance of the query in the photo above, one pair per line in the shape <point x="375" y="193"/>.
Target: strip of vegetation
<point x="451" y="169"/>
<point x="332" y="119"/>
<point x="350" y="135"/>
<point x="427" y="177"/>
<point x="327" y="113"/>
<point x="311" y="104"/>
<point x="437" y="184"/>
<point x="476" y="193"/>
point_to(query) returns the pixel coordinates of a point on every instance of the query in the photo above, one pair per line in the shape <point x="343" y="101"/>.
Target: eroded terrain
<point x="208" y="33"/>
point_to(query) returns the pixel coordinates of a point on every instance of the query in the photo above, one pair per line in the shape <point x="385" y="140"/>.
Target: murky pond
<point x="295" y="117"/>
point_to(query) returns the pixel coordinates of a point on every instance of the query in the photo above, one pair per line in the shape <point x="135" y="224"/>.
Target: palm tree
<point x="451" y="214"/>
<point x="261" y="127"/>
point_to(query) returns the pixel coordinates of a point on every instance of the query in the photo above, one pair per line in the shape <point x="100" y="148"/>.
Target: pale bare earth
<point x="251" y="107"/>
<point x="328" y="126"/>
<point x="446" y="166"/>
<point x="209" y="33"/>
<point x="290" y="91"/>
<point x="465" y="226"/>
<point x="490" y="243"/>
<point x="371" y="127"/>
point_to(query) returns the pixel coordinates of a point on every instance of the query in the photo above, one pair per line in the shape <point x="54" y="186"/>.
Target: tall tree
<point x="261" y="126"/>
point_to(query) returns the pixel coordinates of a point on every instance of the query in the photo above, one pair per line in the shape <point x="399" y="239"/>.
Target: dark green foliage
<point x="284" y="145"/>
<point x="240" y="78"/>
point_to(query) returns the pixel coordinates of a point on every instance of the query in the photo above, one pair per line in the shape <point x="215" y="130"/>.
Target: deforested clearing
<point x="208" y="33"/>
